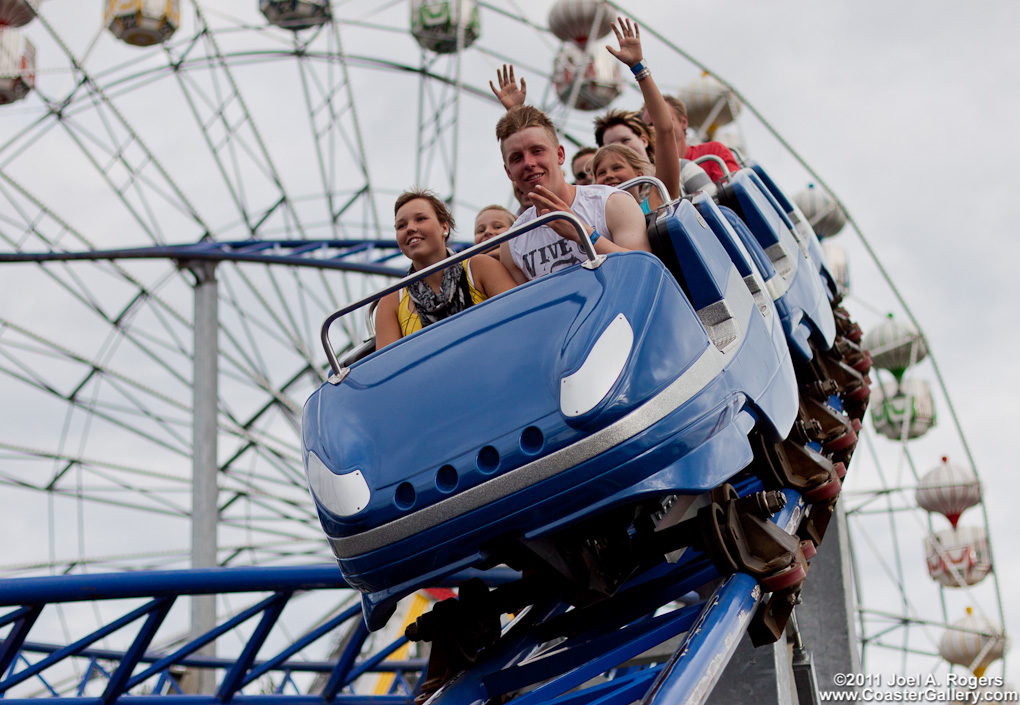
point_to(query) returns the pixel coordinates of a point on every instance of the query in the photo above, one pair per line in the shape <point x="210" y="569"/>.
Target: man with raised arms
<point x="533" y="159"/>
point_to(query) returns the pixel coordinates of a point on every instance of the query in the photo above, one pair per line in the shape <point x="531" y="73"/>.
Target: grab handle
<point x="594" y="261"/>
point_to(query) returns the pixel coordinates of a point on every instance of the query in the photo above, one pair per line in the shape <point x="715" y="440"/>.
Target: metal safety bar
<point x="718" y="160"/>
<point x="657" y="183"/>
<point x="594" y="260"/>
<point x="738" y="155"/>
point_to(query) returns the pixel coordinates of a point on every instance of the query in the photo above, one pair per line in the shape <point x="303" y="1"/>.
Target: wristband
<point x="645" y="73"/>
<point x="638" y="67"/>
<point x="594" y="236"/>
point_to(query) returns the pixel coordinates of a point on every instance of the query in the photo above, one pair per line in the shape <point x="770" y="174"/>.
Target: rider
<point x="533" y="159"/>
<point x="423" y="224"/>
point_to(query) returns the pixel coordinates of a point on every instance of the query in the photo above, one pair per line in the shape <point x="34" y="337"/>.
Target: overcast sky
<point x="904" y="108"/>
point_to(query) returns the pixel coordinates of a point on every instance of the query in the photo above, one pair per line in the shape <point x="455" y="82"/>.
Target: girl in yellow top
<point x="423" y="224"/>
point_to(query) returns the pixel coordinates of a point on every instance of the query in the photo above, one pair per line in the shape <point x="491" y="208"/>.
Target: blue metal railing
<point x="138" y="667"/>
<point x="612" y="638"/>
<point x="362" y="256"/>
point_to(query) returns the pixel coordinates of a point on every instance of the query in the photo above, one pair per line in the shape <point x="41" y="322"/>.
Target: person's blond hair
<point x="495" y="207"/>
<point x="629" y="154"/>
<point x="521" y="117"/>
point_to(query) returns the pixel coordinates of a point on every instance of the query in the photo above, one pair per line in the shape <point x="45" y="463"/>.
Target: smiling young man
<point x="533" y="159"/>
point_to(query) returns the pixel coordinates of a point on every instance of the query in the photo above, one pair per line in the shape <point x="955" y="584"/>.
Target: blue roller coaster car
<point x="802" y="229"/>
<point x="600" y="387"/>
<point x="792" y="274"/>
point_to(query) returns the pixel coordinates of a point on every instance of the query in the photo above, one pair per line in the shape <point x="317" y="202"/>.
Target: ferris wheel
<point x="277" y="135"/>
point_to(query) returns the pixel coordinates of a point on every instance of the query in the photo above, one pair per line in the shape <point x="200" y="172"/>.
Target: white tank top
<point x="542" y="251"/>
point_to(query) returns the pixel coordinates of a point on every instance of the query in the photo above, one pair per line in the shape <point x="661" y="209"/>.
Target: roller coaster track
<point x="612" y="642"/>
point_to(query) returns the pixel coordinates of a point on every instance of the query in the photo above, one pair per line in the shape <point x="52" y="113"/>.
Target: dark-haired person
<point x="580" y="166"/>
<point x="423" y="224"/>
<point x="628" y="130"/>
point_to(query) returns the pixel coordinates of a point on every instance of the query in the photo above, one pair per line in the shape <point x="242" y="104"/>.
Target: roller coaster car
<point x="569" y="405"/>
<point x="802" y="230"/>
<point x="824" y="342"/>
<point x="785" y="258"/>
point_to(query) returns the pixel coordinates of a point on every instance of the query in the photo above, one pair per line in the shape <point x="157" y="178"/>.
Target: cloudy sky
<point x="902" y="108"/>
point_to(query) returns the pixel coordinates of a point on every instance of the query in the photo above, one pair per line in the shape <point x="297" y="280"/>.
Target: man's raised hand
<point x="508" y="92"/>
<point x="546" y="201"/>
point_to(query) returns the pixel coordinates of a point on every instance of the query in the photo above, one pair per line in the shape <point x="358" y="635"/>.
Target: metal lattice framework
<point x="265" y="145"/>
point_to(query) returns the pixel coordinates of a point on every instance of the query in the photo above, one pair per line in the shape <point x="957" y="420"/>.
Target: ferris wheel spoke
<point x="439" y="102"/>
<point x="154" y="507"/>
<point x="279" y="399"/>
<point x="118" y="322"/>
<point x="109" y="157"/>
<point x="247" y="431"/>
<point x="177" y="429"/>
<point x="22" y="141"/>
<point x="247" y="363"/>
<point x="305" y="296"/>
<point x="158" y="498"/>
<point x="251" y="436"/>
<point x="262" y="440"/>
<point x="256" y="512"/>
<point x="271" y="523"/>
<point x="910" y="611"/>
<point x="29" y="222"/>
<point x="326" y="166"/>
<point x="91" y="410"/>
<point x="233" y="183"/>
<point x="247" y="482"/>
<point x="286" y="333"/>
<point x="90" y="462"/>
<point x="285" y="473"/>
<point x="54" y="350"/>
<point x="278" y="509"/>
<point x="240" y="486"/>
<point x="371" y="210"/>
<point x="283" y="455"/>
<point x="286" y="528"/>
<point x="226" y="97"/>
<point x="121" y="133"/>
<point x="297" y="339"/>
<point x="899" y="578"/>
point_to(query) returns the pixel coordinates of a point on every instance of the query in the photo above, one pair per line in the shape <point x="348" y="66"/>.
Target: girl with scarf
<point x="423" y="224"/>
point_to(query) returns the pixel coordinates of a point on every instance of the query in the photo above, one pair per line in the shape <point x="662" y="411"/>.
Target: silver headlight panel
<point x="342" y="495"/>
<point x="583" y="390"/>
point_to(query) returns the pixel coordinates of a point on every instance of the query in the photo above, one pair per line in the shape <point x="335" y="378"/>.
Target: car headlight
<point x="583" y="390"/>
<point x="342" y="495"/>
